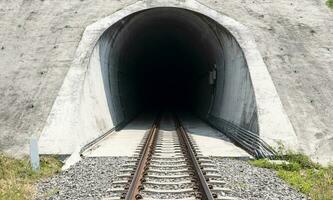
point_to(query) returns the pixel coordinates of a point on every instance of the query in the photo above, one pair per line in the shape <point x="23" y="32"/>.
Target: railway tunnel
<point x="168" y="58"/>
<point x="145" y="59"/>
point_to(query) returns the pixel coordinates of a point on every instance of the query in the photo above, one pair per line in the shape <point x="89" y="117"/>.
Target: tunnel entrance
<point x="149" y="57"/>
<point x="167" y="57"/>
<point x="164" y="59"/>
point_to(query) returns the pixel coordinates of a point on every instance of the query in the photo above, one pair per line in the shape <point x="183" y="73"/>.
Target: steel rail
<point x="133" y="192"/>
<point x="203" y="186"/>
<point x="145" y="153"/>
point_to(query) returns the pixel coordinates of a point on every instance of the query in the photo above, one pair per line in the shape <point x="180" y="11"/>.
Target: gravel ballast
<point x="253" y="183"/>
<point x="88" y="179"/>
<point x="91" y="179"/>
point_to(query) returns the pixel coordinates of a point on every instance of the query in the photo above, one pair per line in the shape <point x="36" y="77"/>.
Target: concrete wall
<point x="234" y="95"/>
<point x="82" y="110"/>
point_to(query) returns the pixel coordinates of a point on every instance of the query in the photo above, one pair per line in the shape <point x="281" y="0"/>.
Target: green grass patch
<point x="329" y="3"/>
<point x="17" y="178"/>
<point x="304" y="175"/>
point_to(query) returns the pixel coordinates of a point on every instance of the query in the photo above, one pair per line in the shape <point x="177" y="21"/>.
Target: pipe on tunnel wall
<point x="91" y="100"/>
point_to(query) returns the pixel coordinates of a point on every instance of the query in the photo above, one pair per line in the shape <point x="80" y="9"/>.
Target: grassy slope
<point x="304" y="175"/>
<point x="329" y="3"/>
<point x="17" y="179"/>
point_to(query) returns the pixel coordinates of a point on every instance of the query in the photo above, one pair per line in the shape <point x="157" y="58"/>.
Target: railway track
<point x="168" y="165"/>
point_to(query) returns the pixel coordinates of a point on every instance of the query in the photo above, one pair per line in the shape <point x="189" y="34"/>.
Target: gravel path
<point x="249" y="182"/>
<point x="90" y="179"/>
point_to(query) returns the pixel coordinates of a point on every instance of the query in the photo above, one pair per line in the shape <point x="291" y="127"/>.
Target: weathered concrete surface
<point x="295" y="39"/>
<point x="38" y="40"/>
<point x="123" y="142"/>
<point x="296" y="42"/>
<point x="210" y="141"/>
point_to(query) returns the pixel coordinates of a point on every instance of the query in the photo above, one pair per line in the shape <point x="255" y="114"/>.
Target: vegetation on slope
<point x="17" y="178"/>
<point x="304" y="175"/>
<point x="329" y="3"/>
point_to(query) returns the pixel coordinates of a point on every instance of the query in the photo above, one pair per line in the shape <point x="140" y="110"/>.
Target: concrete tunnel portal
<point x="186" y="59"/>
<point x="175" y="59"/>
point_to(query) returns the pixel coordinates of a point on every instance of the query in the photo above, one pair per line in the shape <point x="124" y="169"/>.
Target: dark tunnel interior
<point x="170" y="61"/>
<point x="165" y="69"/>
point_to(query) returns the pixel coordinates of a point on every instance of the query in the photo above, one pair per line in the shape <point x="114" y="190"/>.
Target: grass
<point x="304" y="175"/>
<point x="329" y="3"/>
<point x="17" y="178"/>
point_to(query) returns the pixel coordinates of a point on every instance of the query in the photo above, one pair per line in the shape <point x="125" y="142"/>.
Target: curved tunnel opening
<point x="177" y="60"/>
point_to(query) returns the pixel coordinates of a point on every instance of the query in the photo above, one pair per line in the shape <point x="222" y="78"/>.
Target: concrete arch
<point x="80" y="112"/>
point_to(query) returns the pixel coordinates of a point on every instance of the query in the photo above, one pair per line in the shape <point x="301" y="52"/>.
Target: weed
<point x="329" y="3"/>
<point x="304" y="175"/>
<point x="17" y="179"/>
